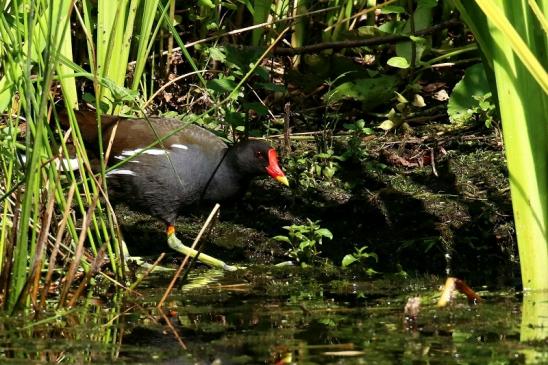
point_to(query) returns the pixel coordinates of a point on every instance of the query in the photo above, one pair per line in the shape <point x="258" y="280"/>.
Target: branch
<point x="315" y="48"/>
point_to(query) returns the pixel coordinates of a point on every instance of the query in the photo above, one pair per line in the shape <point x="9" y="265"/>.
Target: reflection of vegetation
<point x="305" y="241"/>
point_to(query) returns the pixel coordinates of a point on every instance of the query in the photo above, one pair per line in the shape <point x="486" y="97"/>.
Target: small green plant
<point x="304" y="240"/>
<point x="485" y="110"/>
<point x="358" y="131"/>
<point x="360" y="255"/>
<point x="397" y="117"/>
<point x="326" y="164"/>
<point x="316" y="169"/>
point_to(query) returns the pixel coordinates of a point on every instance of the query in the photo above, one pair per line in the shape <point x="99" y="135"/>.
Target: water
<point x="286" y="316"/>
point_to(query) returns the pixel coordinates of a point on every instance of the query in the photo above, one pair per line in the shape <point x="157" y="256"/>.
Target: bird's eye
<point x="259" y="155"/>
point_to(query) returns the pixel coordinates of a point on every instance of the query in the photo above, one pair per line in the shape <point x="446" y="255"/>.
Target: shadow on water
<point x="276" y="316"/>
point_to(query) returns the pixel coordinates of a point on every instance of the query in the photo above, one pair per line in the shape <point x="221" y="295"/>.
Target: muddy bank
<point x="435" y="201"/>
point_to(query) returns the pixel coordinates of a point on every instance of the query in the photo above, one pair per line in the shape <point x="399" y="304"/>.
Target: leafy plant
<point x="471" y="98"/>
<point x="305" y="240"/>
<point x="313" y="170"/>
<point x="358" y="131"/>
<point x="485" y="110"/>
<point x="404" y="109"/>
<point x="360" y="255"/>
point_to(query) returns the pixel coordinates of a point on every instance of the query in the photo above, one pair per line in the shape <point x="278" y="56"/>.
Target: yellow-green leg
<point x="176" y="245"/>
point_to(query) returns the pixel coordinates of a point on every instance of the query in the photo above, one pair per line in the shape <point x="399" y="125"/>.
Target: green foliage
<point x="371" y="92"/>
<point x="358" y="131"/>
<point x="414" y="50"/>
<point x="304" y="240"/>
<point x="361" y="256"/>
<point x="398" y="62"/>
<point x="514" y="44"/>
<point x="471" y="98"/>
<point x="485" y="110"/>
<point x="404" y="109"/>
<point x="312" y="171"/>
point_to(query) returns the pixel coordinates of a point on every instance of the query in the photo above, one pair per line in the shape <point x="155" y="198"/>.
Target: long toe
<point x="178" y="246"/>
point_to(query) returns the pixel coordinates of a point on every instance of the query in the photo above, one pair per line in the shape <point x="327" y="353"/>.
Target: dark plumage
<point x="189" y="166"/>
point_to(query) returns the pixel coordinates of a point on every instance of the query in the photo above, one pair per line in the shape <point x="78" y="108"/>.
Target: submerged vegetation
<point x="389" y="117"/>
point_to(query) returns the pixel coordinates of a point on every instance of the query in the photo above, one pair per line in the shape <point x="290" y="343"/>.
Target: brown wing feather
<point x="133" y="133"/>
<point x="139" y="133"/>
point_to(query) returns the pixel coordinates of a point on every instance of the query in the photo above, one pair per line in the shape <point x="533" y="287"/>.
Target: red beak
<point x="274" y="169"/>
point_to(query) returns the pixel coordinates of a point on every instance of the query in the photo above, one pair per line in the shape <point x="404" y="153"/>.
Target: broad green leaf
<point x="221" y="85"/>
<point x="398" y="62"/>
<point x="464" y="95"/>
<point x="422" y="18"/>
<point x="387" y="125"/>
<point x="348" y="260"/>
<point x="371" y="92"/>
<point x="324" y="232"/>
<point x="257" y="107"/>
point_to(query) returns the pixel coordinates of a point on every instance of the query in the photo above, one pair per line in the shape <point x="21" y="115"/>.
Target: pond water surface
<point x="277" y="316"/>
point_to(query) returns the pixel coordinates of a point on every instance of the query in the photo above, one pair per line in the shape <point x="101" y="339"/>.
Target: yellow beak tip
<point x="282" y="180"/>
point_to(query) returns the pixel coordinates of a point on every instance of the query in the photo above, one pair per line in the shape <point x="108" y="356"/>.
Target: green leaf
<point x="465" y="94"/>
<point x="206" y="3"/>
<point x="217" y="54"/>
<point x="306" y="243"/>
<point x="398" y="62"/>
<point x="427" y="4"/>
<point x="387" y="125"/>
<point x="324" y="232"/>
<point x="348" y="260"/>
<point x="329" y="172"/>
<point x="282" y="239"/>
<point x="371" y="92"/>
<point x="235" y="119"/>
<point x="221" y="85"/>
<point x="392" y="9"/>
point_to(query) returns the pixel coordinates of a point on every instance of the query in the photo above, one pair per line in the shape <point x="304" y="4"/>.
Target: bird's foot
<point x="178" y="246"/>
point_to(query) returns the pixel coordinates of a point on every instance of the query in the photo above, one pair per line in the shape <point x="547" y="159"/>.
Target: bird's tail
<point x="61" y="164"/>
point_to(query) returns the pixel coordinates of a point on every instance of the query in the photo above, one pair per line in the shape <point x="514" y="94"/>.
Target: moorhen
<point x="170" y="166"/>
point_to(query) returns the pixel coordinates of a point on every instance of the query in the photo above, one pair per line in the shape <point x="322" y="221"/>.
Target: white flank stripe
<point x="154" y="151"/>
<point x="131" y="152"/>
<point x="181" y="146"/>
<point x="122" y="172"/>
<point x="70" y="164"/>
<point x="120" y="157"/>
